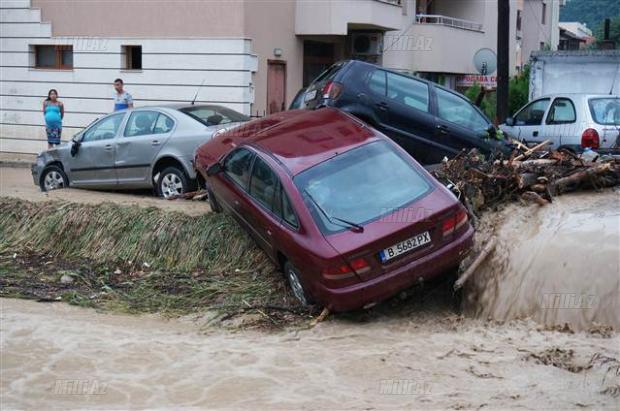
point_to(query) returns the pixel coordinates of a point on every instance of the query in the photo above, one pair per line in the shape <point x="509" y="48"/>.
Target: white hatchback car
<point x="574" y="121"/>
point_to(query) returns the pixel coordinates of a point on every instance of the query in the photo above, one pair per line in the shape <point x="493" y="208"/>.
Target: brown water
<point x="64" y="357"/>
<point x="556" y="264"/>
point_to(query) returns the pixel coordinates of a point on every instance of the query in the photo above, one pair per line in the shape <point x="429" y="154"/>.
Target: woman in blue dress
<point x="54" y="111"/>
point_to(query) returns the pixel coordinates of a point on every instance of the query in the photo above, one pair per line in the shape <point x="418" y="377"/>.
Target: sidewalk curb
<point x="15" y="164"/>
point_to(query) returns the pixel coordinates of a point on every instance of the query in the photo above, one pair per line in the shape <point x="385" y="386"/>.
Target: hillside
<point x="591" y="12"/>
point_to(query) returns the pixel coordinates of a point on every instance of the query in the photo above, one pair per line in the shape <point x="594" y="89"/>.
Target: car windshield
<point x="359" y="186"/>
<point x="605" y="111"/>
<point x="214" y="115"/>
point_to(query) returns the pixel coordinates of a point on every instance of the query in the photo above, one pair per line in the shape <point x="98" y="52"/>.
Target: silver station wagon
<point x="146" y="147"/>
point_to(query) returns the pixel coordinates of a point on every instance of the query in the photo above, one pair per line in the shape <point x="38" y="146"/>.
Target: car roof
<point x="301" y="139"/>
<point x="586" y="95"/>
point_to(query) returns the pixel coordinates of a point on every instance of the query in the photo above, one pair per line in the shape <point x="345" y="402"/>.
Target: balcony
<point x="448" y="22"/>
<point x="338" y="17"/>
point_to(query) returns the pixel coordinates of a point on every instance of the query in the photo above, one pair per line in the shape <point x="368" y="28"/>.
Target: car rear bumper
<point x="387" y="285"/>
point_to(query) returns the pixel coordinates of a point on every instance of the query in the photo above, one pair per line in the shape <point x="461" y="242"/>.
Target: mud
<point x="63" y="357"/>
<point x="17" y="182"/>
<point x="558" y="264"/>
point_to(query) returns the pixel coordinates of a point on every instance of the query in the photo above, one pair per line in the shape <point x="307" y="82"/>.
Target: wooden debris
<point x="320" y="318"/>
<point x="540" y="173"/>
<point x="475" y="264"/>
<point x="192" y="195"/>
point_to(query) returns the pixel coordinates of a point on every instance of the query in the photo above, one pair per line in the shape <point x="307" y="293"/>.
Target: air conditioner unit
<point x="367" y="44"/>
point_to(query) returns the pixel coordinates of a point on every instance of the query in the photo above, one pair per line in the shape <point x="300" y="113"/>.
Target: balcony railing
<point x="394" y="2"/>
<point x="448" y="21"/>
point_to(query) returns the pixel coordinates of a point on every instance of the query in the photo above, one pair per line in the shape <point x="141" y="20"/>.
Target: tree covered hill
<point x="591" y="12"/>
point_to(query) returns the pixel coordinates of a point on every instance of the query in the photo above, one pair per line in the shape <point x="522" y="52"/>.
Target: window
<point x="562" y="112"/>
<point x="605" y="111"/>
<point x="288" y="214"/>
<point x="164" y="124"/>
<point x="544" y="14"/>
<point x="518" y="20"/>
<point x="542" y="45"/>
<point x="214" y="115"/>
<point x="407" y="91"/>
<point x="360" y="185"/>
<point x="533" y="113"/>
<point x="457" y="110"/>
<point x="263" y="184"/>
<point x="143" y="123"/>
<point x="132" y="57"/>
<point x="104" y="129"/>
<point x="53" y="57"/>
<point x="237" y="166"/>
<point x="377" y="82"/>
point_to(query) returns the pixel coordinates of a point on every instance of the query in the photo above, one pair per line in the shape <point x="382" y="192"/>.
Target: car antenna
<point x="613" y="83"/>
<point x="197" y="91"/>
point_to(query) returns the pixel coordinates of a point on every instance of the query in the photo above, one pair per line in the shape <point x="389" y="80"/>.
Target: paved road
<point x="17" y="182"/>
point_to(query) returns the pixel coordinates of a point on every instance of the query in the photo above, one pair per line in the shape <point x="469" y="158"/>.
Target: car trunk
<point x="423" y="216"/>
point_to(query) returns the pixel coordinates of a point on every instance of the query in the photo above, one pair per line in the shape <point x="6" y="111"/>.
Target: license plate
<point x="405" y="246"/>
<point x="310" y="96"/>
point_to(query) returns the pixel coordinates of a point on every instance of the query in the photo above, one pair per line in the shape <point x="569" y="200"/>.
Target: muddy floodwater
<point x="63" y="357"/>
<point x="539" y="331"/>
<point x="558" y="264"/>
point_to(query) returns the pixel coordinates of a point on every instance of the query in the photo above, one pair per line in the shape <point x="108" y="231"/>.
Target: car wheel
<point x="215" y="206"/>
<point x="53" y="178"/>
<point x="172" y="182"/>
<point x="294" y="281"/>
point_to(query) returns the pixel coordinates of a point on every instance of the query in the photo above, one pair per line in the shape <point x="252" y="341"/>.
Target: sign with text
<point x="468" y="80"/>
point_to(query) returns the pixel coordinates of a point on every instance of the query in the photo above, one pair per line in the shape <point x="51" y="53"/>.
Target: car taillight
<point x="332" y="90"/>
<point x="590" y="139"/>
<point x="454" y="223"/>
<point x="344" y="271"/>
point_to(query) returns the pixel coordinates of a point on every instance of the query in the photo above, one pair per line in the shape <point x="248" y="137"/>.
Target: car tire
<point x="294" y="281"/>
<point x="53" y="178"/>
<point x="213" y="203"/>
<point x="172" y="181"/>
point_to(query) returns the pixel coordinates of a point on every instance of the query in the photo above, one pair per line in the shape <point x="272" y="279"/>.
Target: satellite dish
<point x="485" y="61"/>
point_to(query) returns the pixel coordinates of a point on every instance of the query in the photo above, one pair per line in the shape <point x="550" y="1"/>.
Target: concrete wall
<point x="270" y="24"/>
<point x="173" y="69"/>
<point x="144" y="18"/>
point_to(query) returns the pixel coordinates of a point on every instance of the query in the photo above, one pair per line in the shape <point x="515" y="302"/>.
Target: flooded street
<point x="62" y="357"/>
<point x="18" y="183"/>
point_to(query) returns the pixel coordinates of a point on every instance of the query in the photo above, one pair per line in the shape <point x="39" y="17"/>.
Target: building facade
<point x="250" y="55"/>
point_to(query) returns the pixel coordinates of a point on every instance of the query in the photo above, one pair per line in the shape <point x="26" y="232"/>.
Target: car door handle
<point x="442" y="129"/>
<point x="535" y="133"/>
<point x="268" y="231"/>
<point x="155" y="142"/>
<point x="108" y="147"/>
<point x="382" y="106"/>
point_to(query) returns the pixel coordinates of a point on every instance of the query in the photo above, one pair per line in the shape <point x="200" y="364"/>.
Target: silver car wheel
<point x="171" y="185"/>
<point x="53" y="181"/>
<point x="298" y="290"/>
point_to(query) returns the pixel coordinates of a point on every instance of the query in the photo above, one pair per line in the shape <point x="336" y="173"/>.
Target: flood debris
<point x="192" y="195"/>
<point x="534" y="174"/>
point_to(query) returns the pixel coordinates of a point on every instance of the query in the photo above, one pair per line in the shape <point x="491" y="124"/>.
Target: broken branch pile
<point x="533" y="175"/>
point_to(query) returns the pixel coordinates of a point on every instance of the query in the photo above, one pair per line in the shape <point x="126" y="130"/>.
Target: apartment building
<point x="250" y="55"/>
<point x="440" y="40"/>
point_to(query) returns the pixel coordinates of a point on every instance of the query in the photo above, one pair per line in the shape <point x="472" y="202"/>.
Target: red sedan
<point x="346" y="213"/>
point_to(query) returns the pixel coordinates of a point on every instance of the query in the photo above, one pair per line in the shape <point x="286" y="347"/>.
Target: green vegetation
<point x="614" y="31"/>
<point x="591" y="12"/>
<point x="136" y="260"/>
<point x="518" y="92"/>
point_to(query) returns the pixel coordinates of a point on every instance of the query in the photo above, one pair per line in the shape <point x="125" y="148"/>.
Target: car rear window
<point x="360" y="186"/>
<point x="605" y="111"/>
<point x="214" y="115"/>
<point x="329" y="73"/>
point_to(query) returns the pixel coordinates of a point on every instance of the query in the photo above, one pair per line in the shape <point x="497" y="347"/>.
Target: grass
<point x="136" y="260"/>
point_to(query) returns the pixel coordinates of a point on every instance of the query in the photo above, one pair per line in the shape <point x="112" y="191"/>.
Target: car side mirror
<point x="214" y="169"/>
<point x="75" y="147"/>
<point x="510" y="121"/>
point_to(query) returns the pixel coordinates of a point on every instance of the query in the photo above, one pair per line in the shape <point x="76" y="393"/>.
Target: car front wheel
<point x="53" y="178"/>
<point x="172" y="182"/>
<point x="294" y="280"/>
